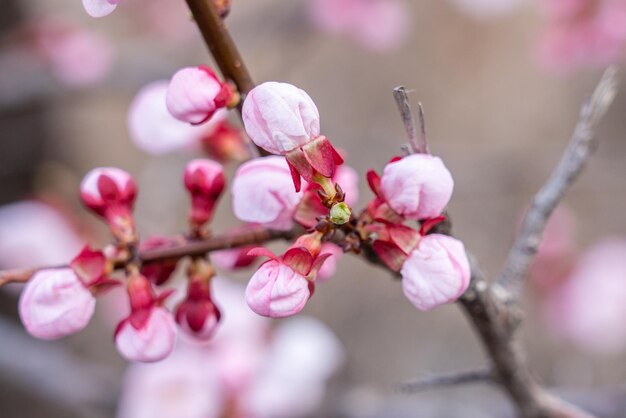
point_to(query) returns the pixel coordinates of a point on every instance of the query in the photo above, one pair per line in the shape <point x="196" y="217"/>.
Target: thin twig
<point x="256" y="235"/>
<point x="580" y="147"/>
<point x="417" y="144"/>
<point x="225" y="53"/>
<point x="447" y="379"/>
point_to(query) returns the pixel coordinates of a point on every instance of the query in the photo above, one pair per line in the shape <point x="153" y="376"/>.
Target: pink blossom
<point x="418" y="186"/>
<point x="263" y="193"/>
<point x="55" y="303"/>
<point x="195" y="94"/>
<point x="304" y="353"/>
<point x="282" y="119"/>
<point x="77" y="56"/>
<point x="242" y="369"/>
<point x="184" y="385"/>
<point x="33" y="234"/>
<point x="588" y="309"/>
<point x="436" y="272"/>
<point x="99" y="8"/>
<point x="583" y="34"/>
<point x="277" y="290"/>
<point x="379" y="25"/>
<point x="153" y="341"/>
<point x="153" y="128"/>
<point x="233" y="258"/>
<point x="279" y="117"/>
<point x="204" y="179"/>
<point x="556" y="253"/>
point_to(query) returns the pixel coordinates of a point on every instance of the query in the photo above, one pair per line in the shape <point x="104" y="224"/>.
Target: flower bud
<point x="417" y="187"/>
<point x="197" y="315"/>
<point x="436" y="272"/>
<point x="152" y="127"/>
<point x="110" y="193"/>
<point x="108" y="187"/>
<point x="152" y="341"/>
<point x="280" y="117"/>
<point x="340" y="213"/>
<point x="276" y="290"/>
<point x="205" y="181"/>
<point x="263" y="193"/>
<point x="195" y="94"/>
<point x="55" y="303"/>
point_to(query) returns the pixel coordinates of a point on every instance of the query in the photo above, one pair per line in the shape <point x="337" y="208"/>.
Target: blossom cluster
<point x="303" y="187"/>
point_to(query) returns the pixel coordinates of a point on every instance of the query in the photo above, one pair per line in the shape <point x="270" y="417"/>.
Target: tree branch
<point x="225" y="54"/>
<point x="580" y="147"/>
<point x="447" y="379"/>
<point x="184" y="248"/>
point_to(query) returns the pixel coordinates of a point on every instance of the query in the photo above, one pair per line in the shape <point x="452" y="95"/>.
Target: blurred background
<point x="501" y="81"/>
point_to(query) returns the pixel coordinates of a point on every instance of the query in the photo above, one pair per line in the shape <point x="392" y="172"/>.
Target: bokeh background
<point x="496" y="115"/>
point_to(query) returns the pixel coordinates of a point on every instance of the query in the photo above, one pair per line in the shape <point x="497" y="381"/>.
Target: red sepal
<point x="373" y="179"/>
<point x="317" y="265"/>
<point x="390" y="254"/>
<point x="261" y="252"/>
<point x="299" y="259"/>
<point x="89" y="266"/>
<point x="404" y="237"/>
<point x="428" y="224"/>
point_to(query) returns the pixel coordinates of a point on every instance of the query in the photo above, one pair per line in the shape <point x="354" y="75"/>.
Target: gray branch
<point x="447" y="379"/>
<point x="581" y="146"/>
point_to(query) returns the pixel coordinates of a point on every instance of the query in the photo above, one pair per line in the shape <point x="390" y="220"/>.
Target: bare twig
<point x="580" y="147"/>
<point x="417" y="144"/>
<point x="256" y="235"/>
<point x="447" y="379"/>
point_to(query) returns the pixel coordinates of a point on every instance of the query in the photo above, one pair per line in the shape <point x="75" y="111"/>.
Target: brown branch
<point x="447" y="379"/>
<point x="225" y="54"/>
<point x="580" y="147"/>
<point x="256" y="235"/>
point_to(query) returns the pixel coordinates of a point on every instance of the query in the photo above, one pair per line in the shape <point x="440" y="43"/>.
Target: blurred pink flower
<point x="583" y="34"/>
<point x="436" y="272"/>
<point x="184" y="385"/>
<point x="588" y="309"/>
<point x="233" y="259"/>
<point x="379" y="25"/>
<point x="77" y="56"/>
<point x="55" y="303"/>
<point x="34" y="234"/>
<point x="418" y="186"/>
<point x="263" y="193"/>
<point x="557" y="250"/>
<point x="240" y="370"/>
<point x="348" y="179"/>
<point x="152" y="127"/>
<point x="99" y="8"/>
